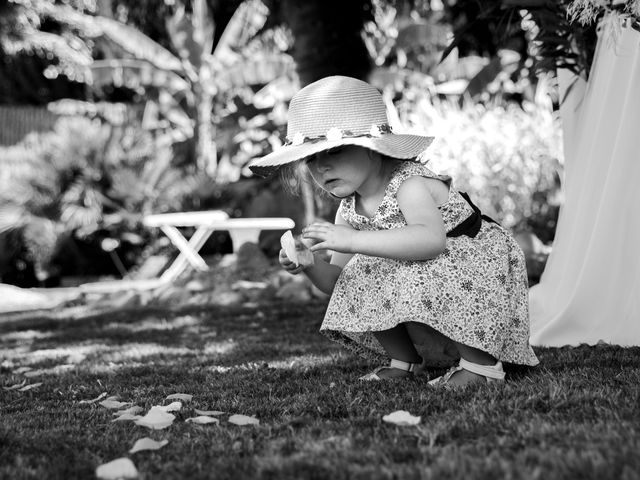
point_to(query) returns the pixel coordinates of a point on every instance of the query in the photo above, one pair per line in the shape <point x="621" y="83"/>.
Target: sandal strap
<point x="400" y="365"/>
<point x="488" y="371"/>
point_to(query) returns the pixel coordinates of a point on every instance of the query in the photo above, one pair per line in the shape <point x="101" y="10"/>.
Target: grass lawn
<point x="575" y="416"/>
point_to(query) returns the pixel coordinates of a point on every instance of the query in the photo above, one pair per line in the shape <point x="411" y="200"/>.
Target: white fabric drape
<point x="590" y="289"/>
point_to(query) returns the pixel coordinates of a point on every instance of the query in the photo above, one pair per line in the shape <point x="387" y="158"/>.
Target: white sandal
<point x="397" y="364"/>
<point x="491" y="373"/>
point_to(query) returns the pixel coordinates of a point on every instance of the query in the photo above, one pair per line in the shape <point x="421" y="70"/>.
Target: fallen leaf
<point x="243" y="420"/>
<point x="296" y="250"/>
<point x="99" y="397"/>
<point x="120" y="468"/>
<point x="16" y="386"/>
<point x="180" y="396"/>
<point x="29" y="387"/>
<point x="113" y="404"/>
<point x="126" y="416"/>
<point x="288" y="244"/>
<point x="147" y="443"/>
<point x="22" y="370"/>
<point x="203" y="420"/>
<point x="131" y="411"/>
<point x="172" y="407"/>
<point x="401" y="417"/>
<point x="156" y="419"/>
<point x="207" y="412"/>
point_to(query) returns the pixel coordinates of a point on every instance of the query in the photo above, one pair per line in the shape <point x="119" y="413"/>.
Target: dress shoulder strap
<point x="408" y="169"/>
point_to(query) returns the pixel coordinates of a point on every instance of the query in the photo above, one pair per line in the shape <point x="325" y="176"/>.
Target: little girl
<point x="412" y="259"/>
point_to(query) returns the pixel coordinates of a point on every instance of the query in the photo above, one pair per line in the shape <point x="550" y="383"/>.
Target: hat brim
<point x="402" y="146"/>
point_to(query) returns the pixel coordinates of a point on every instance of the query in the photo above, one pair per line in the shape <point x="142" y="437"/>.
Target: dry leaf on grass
<point x="207" y="412"/>
<point x="126" y="416"/>
<point x="243" y="420"/>
<point x="99" y="397"/>
<point x="147" y="443"/>
<point x="172" y="407"/>
<point x="29" y="387"/>
<point x="156" y="419"/>
<point x="129" y="411"/>
<point x="202" y="420"/>
<point x="401" y="417"/>
<point x="114" y="404"/>
<point x="180" y="396"/>
<point x="16" y="386"/>
<point x="120" y="468"/>
<point x="22" y="370"/>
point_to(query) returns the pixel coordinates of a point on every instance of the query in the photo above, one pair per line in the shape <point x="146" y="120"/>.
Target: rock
<point x="228" y="260"/>
<point x="195" y="286"/>
<point x="248" y="285"/>
<point x="226" y="298"/>
<point x="174" y="296"/>
<point x="152" y="266"/>
<point x="294" y="292"/>
<point x="125" y="299"/>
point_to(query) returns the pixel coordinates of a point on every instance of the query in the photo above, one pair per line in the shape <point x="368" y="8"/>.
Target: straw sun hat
<point x="337" y="111"/>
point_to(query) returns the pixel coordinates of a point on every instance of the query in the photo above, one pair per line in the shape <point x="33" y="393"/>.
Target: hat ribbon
<point x="334" y="134"/>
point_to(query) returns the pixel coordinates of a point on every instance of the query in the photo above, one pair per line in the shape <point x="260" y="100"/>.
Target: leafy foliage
<point x="86" y="180"/>
<point x="34" y="37"/>
<point x="539" y="30"/>
<point x="588" y="11"/>
<point x="508" y="158"/>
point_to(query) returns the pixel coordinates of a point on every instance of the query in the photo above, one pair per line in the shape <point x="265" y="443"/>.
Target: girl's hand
<point x="328" y="236"/>
<point x="288" y="265"/>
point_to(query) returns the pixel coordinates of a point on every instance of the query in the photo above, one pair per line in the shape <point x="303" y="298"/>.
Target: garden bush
<point x="86" y="186"/>
<point x="507" y="157"/>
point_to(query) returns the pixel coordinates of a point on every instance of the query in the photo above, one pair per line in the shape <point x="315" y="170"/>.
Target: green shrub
<point x="508" y="158"/>
<point x="88" y="181"/>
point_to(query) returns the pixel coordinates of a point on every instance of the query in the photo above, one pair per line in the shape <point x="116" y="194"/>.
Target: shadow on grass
<point x="575" y="416"/>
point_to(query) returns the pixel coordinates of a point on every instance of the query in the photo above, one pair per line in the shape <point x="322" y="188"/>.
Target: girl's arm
<point x="422" y="238"/>
<point x="322" y="274"/>
<point x="325" y="275"/>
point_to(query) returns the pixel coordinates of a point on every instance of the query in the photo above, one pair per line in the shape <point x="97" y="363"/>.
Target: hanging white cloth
<point x="590" y="289"/>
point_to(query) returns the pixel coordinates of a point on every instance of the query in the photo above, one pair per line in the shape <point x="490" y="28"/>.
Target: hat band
<point x="335" y="134"/>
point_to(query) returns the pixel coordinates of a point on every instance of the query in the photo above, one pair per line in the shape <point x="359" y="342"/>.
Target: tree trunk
<point x="327" y="41"/>
<point x="327" y="36"/>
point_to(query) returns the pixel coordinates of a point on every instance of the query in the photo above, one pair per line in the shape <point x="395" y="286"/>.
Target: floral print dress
<point x="475" y="292"/>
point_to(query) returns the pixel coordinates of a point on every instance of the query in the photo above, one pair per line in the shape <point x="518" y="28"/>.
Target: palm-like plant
<point x="85" y="179"/>
<point x="183" y="87"/>
<point x="551" y="40"/>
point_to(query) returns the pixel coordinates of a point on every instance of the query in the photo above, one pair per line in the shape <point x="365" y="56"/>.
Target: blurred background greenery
<point x="114" y="109"/>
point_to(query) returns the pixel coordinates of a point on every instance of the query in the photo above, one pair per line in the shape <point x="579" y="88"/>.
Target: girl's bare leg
<point x="418" y="332"/>
<point x="474" y="355"/>
<point x="398" y="345"/>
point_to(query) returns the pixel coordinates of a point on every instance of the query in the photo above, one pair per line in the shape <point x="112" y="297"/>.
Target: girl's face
<point x="341" y="171"/>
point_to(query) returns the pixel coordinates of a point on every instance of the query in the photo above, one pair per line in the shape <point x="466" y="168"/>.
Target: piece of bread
<point x="296" y="250"/>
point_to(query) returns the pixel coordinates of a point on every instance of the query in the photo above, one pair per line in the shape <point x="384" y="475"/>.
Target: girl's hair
<point x="295" y="174"/>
